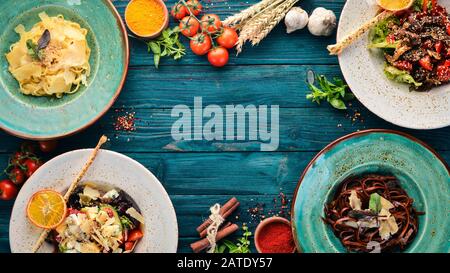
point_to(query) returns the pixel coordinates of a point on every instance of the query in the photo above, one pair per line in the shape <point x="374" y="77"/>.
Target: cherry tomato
<point x="218" y="56"/>
<point x="228" y="38"/>
<point x="129" y="246"/>
<point x="211" y="23"/>
<point x="7" y="190"/>
<point x="135" y="235"/>
<point x="443" y="73"/>
<point x="195" y="7"/>
<point x="438" y="47"/>
<point x="179" y="11"/>
<point x="425" y="62"/>
<point x="390" y="38"/>
<point x="200" y="44"/>
<point x="31" y="165"/>
<point x="189" y="26"/>
<point x="17" y="176"/>
<point x="18" y="158"/>
<point x="48" y="146"/>
<point x="403" y="65"/>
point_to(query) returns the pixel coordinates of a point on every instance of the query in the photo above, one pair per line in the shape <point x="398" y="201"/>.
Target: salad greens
<point x="378" y="35"/>
<point x="335" y="93"/>
<point x="400" y="76"/>
<point x="375" y="202"/>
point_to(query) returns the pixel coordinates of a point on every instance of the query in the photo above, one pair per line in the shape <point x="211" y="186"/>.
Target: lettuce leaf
<point x="378" y="34"/>
<point x="400" y="76"/>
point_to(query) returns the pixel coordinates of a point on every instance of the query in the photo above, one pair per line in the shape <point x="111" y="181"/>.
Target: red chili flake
<point x="125" y="122"/>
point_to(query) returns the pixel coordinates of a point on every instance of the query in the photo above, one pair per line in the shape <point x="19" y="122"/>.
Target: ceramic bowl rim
<point x="126" y="49"/>
<point x="338" y="141"/>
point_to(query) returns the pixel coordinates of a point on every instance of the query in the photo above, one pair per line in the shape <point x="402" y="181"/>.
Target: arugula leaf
<point x="126" y="222"/>
<point x="375" y="202"/>
<point x="167" y="45"/>
<point x="35" y="50"/>
<point x="335" y="93"/>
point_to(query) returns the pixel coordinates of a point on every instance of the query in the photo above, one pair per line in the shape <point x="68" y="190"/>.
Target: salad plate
<point x="110" y="169"/>
<point x="419" y="169"/>
<point x="363" y="71"/>
<point x="49" y="117"/>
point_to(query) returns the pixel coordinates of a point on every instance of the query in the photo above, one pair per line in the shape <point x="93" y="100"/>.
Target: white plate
<point x="117" y="170"/>
<point x="363" y="71"/>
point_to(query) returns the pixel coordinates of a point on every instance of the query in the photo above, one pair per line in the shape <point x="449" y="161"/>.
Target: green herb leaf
<point x="375" y="202"/>
<point x="334" y="93"/>
<point x="167" y="45"/>
<point x="32" y="50"/>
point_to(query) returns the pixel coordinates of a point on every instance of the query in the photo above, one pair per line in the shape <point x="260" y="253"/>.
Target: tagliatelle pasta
<point x="62" y="66"/>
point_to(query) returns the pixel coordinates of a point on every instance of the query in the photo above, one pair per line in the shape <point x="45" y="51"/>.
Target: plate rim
<point x="126" y="60"/>
<point x="378" y="114"/>
<point x="132" y="160"/>
<point x="338" y="141"/>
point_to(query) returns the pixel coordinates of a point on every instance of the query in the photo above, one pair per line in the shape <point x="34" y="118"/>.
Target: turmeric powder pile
<point x="145" y="17"/>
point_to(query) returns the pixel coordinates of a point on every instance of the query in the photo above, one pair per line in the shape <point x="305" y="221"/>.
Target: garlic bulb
<point x="322" y="22"/>
<point x="296" y="19"/>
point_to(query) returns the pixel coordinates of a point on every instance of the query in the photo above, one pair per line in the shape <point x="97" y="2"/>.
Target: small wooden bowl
<point x="157" y="33"/>
<point x="266" y="222"/>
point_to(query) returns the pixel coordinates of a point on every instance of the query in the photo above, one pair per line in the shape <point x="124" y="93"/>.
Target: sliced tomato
<point x="438" y="47"/>
<point x="135" y="235"/>
<point x="129" y="246"/>
<point x="404" y="65"/>
<point x="443" y="73"/>
<point x="425" y="62"/>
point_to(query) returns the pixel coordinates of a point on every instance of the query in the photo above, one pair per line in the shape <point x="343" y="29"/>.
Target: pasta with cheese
<point x="59" y="68"/>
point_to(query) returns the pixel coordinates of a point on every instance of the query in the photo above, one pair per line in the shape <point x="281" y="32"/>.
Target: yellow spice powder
<point x="144" y="17"/>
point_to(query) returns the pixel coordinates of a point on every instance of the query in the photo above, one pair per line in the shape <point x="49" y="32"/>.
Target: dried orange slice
<point x="46" y="209"/>
<point x="395" y="5"/>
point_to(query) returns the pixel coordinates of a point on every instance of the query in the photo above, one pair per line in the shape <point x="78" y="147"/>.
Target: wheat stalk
<point x="276" y="16"/>
<point x="246" y="13"/>
<point x="251" y="27"/>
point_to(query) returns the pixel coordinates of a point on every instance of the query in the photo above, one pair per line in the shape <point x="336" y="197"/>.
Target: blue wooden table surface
<point x="197" y="174"/>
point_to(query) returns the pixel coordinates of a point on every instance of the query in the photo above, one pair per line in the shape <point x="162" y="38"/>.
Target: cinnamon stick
<point x="224" y="216"/>
<point x="225" y="208"/>
<point x="222" y="233"/>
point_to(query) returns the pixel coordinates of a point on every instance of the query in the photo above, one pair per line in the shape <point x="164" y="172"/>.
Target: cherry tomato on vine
<point x="211" y="23"/>
<point x="189" y="26"/>
<point x="179" y="11"/>
<point x="17" y="176"/>
<point x="18" y="158"/>
<point x="194" y="6"/>
<point x="200" y="44"/>
<point x="48" y="146"/>
<point x="228" y="38"/>
<point x="7" y="190"/>
<point x="218" y="56"/>
<point x="31" y="166"/>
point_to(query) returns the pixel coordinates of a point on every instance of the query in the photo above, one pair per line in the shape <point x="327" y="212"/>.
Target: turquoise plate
<point x="46" y="118"/>
<point x="421" y="172"/>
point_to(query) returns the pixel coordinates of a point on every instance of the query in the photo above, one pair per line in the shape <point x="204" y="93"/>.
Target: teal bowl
<point x="420" y="170"/>
<point x="42" y="118"/>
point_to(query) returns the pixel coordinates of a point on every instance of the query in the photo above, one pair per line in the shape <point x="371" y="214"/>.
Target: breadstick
<point x="348" y="40"/>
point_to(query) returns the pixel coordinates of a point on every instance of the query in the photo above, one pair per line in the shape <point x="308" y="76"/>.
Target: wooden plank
<point x="283" y="85"/>
<point x="301" y="129"/>
<point x="278" y="48"/>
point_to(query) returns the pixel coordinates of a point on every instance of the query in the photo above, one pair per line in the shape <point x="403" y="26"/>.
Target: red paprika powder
<point x="276" y="237"/>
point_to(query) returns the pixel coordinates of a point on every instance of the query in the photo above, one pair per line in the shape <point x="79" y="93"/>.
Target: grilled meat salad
<point x="416" y="45"/>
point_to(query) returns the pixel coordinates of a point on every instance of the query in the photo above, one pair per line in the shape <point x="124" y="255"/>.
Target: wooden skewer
<point x="349" y="39"/>
<point x="72" y="187"/>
